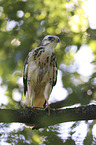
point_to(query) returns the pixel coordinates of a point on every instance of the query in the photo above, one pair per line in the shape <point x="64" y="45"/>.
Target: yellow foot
<point x="47" y="109"/>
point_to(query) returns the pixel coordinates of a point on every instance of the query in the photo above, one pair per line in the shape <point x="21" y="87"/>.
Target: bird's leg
<point x="48" y="108"/>
<point x="28" y="95"/>
<point x="47" y="92"/>
<point x="32" y="96"/>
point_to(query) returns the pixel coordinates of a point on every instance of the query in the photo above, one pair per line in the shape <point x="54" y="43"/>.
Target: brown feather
<point x="41" y="75"/>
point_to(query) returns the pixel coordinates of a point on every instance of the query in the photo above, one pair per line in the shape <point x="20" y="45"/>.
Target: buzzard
<point x="40" y="73"/>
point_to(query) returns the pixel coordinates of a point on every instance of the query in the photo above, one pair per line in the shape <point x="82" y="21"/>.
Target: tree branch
<point x="40" y="118"/>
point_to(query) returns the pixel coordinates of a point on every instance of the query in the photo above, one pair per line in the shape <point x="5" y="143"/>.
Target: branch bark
<point x="40" y="118"/>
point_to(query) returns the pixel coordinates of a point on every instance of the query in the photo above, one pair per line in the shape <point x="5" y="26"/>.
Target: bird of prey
<point x="40" y="72"/>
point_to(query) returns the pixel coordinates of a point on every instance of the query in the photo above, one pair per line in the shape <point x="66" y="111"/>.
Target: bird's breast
<point x="39" y="71"/>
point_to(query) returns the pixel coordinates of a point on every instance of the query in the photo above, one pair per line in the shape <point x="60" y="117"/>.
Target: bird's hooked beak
<point x="57" y="40"/>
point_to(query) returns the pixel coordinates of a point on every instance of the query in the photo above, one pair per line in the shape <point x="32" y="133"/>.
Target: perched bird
<point x="40" y="72"/>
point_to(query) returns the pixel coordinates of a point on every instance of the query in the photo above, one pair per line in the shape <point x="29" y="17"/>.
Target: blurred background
<point x="23" y="24"/>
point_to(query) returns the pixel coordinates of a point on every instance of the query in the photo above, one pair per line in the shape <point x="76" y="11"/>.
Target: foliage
<point x="24" y="23"/>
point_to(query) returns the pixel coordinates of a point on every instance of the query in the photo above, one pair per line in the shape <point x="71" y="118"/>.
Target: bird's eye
<point x="51" y="38"/>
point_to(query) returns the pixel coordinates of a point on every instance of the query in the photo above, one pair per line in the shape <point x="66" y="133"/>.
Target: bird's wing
<point x="53" y="76"/>
<point x="54" y="65"/>
<point x="25" y="69"/>
<point x="35" y="53"/>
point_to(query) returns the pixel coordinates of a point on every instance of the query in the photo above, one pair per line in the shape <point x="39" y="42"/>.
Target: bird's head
<point x="50" y="41"/>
